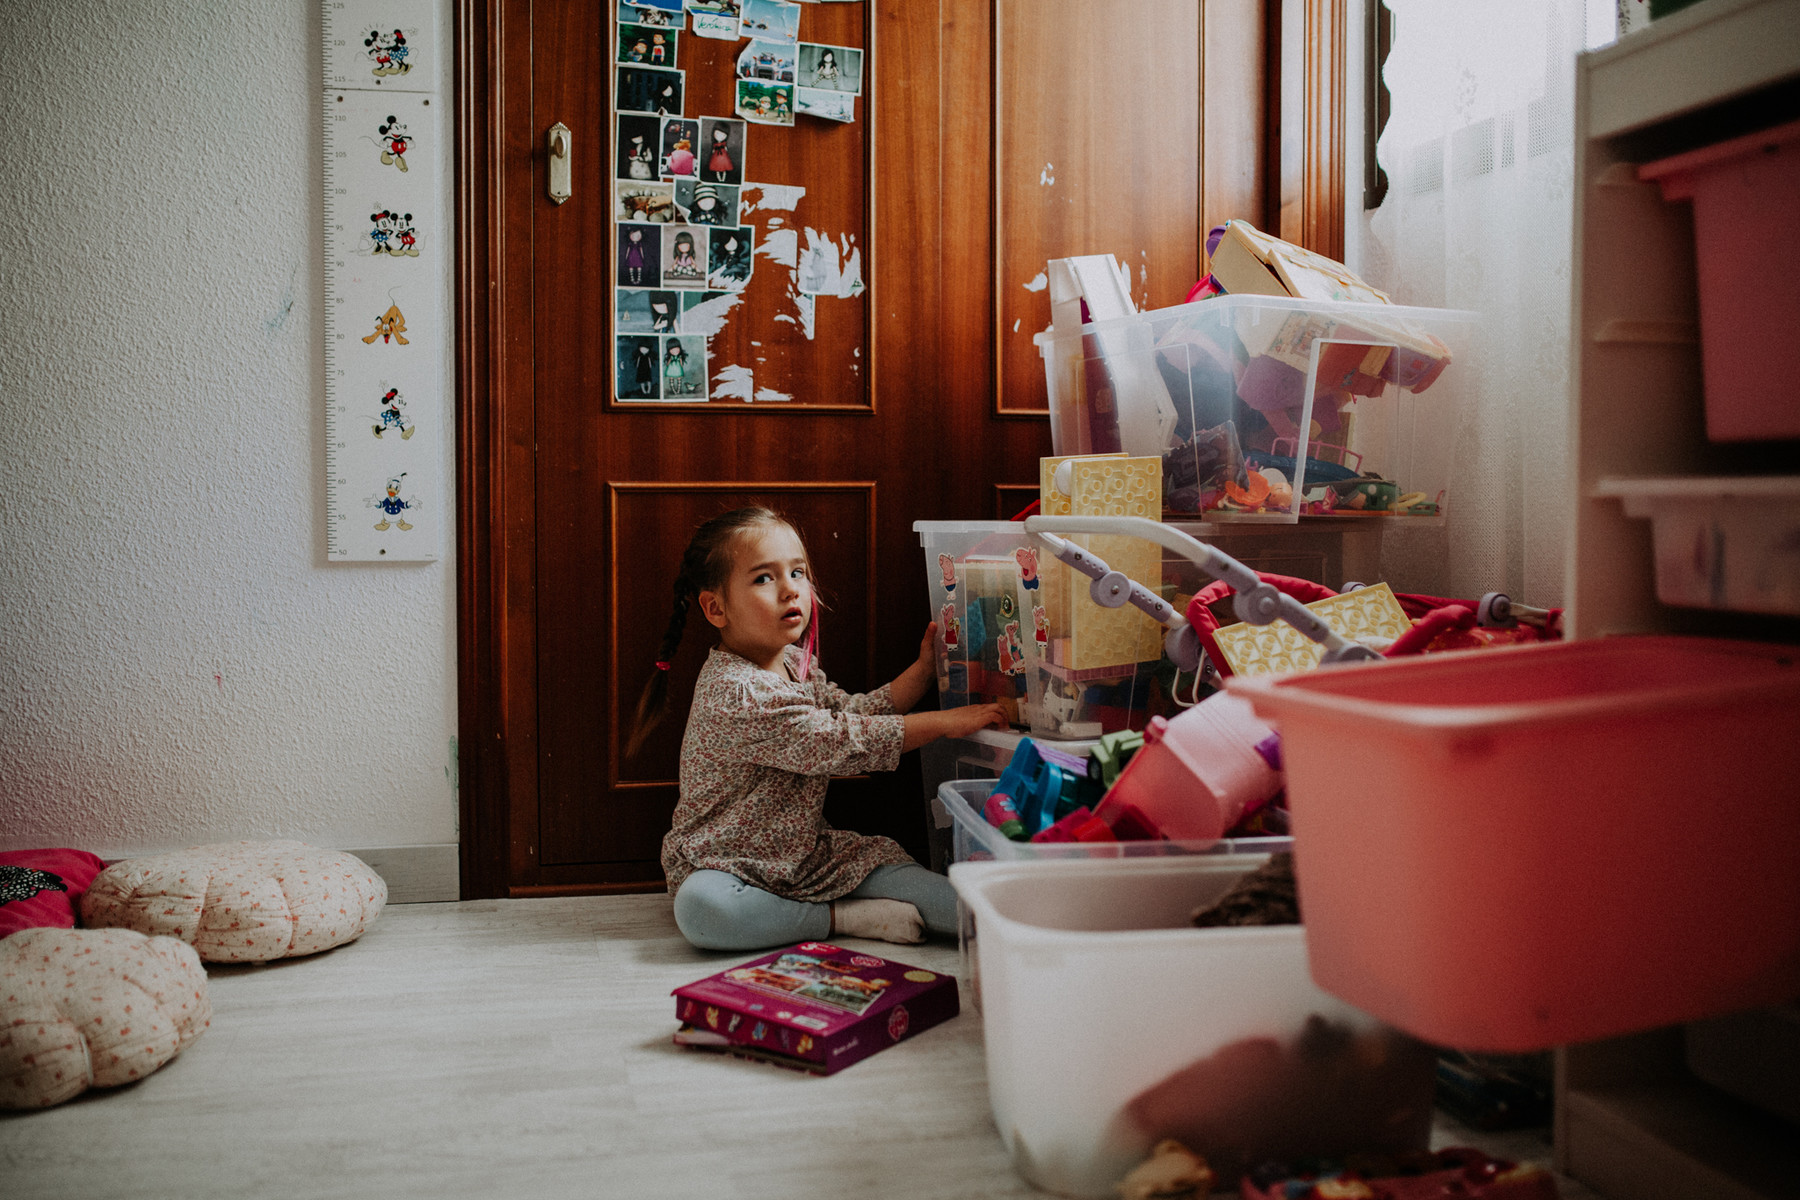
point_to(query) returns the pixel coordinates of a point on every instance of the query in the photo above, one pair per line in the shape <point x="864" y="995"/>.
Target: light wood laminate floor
<point x="518" y="1049"/>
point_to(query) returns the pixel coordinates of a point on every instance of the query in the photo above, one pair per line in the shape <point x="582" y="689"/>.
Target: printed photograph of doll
<point x="765" y="103"/>
<point x="640" y="255"/>
<point x="636" y="367"/>
<point x="706" y="203"/>
<point x="646" y="310"/>
<point x="720" y="153"/>
<point x="650" y="90"/>
<point x="684" y="367"/>
<point x="635" y="146"/>
<point x="684" y="258"/>
<point x="838" y="68"/>
<point x="650" y="202"/>
<point x="730" y="257"/>
<point x="679" y="137"/>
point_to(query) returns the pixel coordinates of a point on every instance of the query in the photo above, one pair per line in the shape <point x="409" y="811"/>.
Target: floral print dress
<point x="758" y="753"/>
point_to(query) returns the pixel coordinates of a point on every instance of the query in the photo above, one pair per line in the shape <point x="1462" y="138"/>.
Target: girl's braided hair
<point x="705" y="567"/>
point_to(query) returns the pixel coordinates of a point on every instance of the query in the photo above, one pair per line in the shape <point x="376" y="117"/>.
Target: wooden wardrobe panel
<point x="1097" y="150"/>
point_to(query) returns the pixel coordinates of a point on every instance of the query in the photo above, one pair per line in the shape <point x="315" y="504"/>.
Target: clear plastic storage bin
<point x="1111" y="1022"/>
<point x="1316" y="397"/>
<point x="987" y="647"/>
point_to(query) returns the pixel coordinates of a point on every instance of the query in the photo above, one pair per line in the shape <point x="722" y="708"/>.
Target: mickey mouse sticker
<point x="394" y="138"/>
<point x="388" y="52"/>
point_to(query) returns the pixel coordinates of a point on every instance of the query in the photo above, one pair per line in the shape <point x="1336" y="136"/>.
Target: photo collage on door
<point x="681" y="241"/>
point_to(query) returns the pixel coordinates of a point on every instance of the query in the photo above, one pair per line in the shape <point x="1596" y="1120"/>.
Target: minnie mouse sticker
<point x="391" y="418"/>
<point x="388" y="51"/>
<point x="392" y="233"/>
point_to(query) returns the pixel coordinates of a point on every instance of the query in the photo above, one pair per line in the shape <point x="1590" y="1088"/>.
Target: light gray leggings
<point x="717" y="911"/>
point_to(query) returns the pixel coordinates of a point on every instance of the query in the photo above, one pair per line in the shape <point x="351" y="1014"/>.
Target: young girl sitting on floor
<point x="750" y="859"/>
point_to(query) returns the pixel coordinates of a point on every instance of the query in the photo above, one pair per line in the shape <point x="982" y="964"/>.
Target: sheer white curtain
<point x="1479" y="154"/>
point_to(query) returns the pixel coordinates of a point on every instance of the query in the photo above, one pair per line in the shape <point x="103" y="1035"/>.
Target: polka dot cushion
<point x="83" y="1008"/>
<point x="241" y="901"/>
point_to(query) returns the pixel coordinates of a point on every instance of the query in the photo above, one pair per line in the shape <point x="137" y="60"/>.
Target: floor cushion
<point x="241" y="901"/>
<point x="43" y="887"/>
<point x="83" y="1008"/>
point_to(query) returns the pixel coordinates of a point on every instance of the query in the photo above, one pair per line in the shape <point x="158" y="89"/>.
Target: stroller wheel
<point x="1495" y="610"/>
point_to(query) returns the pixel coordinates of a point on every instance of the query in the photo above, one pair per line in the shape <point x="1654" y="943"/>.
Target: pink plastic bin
<point x="1519" y="848"/>
<point x="1746" y="195"/>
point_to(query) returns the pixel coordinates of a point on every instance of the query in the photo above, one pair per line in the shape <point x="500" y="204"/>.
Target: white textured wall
<point x="177" y="662"/>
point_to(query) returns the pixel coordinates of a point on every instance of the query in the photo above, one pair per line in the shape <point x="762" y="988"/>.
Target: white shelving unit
<point x="1631" y="1121"/>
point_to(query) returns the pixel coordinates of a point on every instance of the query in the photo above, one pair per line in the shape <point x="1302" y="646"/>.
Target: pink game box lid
<point x="815" y="1006"/>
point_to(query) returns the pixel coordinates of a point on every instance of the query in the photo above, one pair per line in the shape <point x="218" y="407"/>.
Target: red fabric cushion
<point x="43" y="887"/>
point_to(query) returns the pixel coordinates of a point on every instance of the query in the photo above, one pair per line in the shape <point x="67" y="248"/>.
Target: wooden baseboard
<point x="416" y="874"/>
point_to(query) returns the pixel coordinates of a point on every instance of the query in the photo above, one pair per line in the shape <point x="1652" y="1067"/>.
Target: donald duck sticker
<point x="393" y="505"/>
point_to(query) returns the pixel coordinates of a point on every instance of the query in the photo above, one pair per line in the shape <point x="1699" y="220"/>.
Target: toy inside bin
<point x="1007" y="634"/>
<point x="1545" y="844"/>
<point x="986" y="648"/>
<point x="1256" y="402"/>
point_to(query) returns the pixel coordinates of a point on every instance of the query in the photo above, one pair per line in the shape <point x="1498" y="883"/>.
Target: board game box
<point x="814" y="1006"/>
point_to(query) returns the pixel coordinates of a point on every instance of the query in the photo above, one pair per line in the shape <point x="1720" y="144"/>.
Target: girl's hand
<point x="925" y="727"/>
<point x="928" y="650"/>
<point x="970" y="717"/>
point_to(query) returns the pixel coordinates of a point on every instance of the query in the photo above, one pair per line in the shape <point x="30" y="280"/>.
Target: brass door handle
<point x="561" y="153"/>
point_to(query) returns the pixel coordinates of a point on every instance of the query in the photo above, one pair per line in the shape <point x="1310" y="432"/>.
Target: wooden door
<point x="915" y="399"/>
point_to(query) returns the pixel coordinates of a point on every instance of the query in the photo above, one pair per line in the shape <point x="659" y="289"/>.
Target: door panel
<point x="836" y="520"/>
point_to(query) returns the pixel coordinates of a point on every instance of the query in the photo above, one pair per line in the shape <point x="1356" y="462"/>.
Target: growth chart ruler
<point x="386" y="273"/>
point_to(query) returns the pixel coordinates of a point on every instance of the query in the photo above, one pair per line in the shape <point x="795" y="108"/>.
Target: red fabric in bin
<point x="42" y="888"/>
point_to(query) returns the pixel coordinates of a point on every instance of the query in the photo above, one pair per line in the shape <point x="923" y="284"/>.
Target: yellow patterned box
<point x="1370" y="612"/>
<point x="1091" y="656"/>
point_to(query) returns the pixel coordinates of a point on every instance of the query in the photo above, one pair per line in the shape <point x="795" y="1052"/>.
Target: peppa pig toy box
<point x="814" y="1006"/>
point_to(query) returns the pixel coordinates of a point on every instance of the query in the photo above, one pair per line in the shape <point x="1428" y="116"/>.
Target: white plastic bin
<point x="972" y="839"/>
<point x="1726" y="543"/>
<point x="1363" y="388"/>
<point x="1111" y="1022"/>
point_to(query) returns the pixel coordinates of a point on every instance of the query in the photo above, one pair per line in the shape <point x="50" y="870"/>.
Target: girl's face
<point x="636" y="235"/>
<point x="767" y="598"/>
